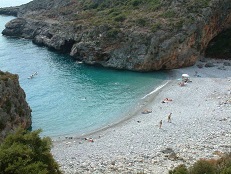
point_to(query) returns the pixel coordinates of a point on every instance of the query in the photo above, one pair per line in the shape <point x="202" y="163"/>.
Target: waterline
<point x="71" y="98"/>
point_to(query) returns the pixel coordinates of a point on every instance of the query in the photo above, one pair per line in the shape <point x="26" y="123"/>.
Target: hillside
<point x="139" y="35"/>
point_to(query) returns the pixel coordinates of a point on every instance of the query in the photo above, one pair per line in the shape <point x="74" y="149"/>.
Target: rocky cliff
<point x="14" y="110"/>
<point x="133" y="34"/>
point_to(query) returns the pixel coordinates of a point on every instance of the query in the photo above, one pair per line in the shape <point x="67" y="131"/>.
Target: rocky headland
<point x="134" y="34"/>
<point x="14" y="110"/>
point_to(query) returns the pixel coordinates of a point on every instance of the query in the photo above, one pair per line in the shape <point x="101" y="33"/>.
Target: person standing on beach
<point x="160" y="124"/>
<point x="169" y="117"/>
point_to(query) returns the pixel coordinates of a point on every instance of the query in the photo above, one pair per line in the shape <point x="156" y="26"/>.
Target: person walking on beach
<point x="169" y="117"/>
<point x="160" y="124"/>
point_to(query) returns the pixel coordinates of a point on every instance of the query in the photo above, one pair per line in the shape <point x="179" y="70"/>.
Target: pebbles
<point x="200" y="127"/>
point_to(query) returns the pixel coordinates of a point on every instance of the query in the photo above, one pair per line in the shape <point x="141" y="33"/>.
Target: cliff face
<point x="14" y="110"/>
<point x="125" y="35"/>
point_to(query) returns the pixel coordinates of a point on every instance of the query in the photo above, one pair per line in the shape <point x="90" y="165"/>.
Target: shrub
<point x="226" y="170"/>
<point x="136" y="2"/>
<point x="224" y="164"/>
<point x="114" y="13"/>
<point x="202" y="3"/>
<point x="154" y="4"/>
<point x="5" y="76"/>
<point x="179" y="24"/>
<point x="181" y="169"/>
<point x="169" y="14"/>
<point x="212" y="166"/>
<point x="25" y="152"/>
<point x="155" y="27"/>
<point x="203" y="166"/>
<point x="120" y="18"/>
<point x="112" y="33"/>
<point x="141" y="22"/>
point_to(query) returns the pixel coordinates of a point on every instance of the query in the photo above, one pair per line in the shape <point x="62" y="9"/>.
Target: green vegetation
<point x="181" y="169"/>
<point x="134" y="13"/>
<point x="112" y="33"/>
<point x="127" y="14"/>
<point x="202" y="3"/>
<point x="169" y="14"/>
<point x="141" y="22"/>
<point x="25" y="152"/>
<point x="155" y="27"/>
<point x="6" y="75"/>
<point x="120" y="18"/>
<point x="220" y="166"/>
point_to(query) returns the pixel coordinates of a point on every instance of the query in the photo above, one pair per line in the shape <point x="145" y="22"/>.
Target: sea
<point x="66" y="97"/>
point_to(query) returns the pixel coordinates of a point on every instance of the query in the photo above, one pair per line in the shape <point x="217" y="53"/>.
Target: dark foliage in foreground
<point x="203" y="166"/>
<point x="25" y="152"/>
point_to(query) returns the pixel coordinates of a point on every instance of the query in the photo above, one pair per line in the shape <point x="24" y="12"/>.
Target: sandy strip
<point x="200" y="125"/>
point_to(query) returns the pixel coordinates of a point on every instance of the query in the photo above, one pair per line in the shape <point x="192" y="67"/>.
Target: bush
<point x="224" y="164"/>
<point x="25" y="152"/>
<point x="226" y="170"/>
<point x="112" y="33"/>
<point x="211" y="166"/>
<point x="169" y="14"/>
<point x="181" y="169"/>
<point x="202" y="3"/>
<point x="141" y="22"/>
<point x="120" y="18"/>
<point x="136" y="2"/>
<point x="203" y="166"/>
<point x="155" y="27"/>
<point x="154" y="4"/>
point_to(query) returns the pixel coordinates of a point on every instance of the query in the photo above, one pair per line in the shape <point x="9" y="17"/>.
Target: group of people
<point x="185" y="80"/>
<point x="32" y="75"/>
<point x="166" y="100"/>
<point x="169" y="120"/>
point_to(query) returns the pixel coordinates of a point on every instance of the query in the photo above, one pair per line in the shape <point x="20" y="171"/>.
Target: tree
<point x="25" y="152"/>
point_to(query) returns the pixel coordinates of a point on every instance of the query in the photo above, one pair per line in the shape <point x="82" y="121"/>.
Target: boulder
<point x="209" y="64"/>
<point x="227" y="64"/>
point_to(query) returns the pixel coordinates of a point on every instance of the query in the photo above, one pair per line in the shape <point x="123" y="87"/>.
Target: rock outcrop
<point x="14" y="110"/>
<point x="10" y="11"/>
<point x="162" y="35"/>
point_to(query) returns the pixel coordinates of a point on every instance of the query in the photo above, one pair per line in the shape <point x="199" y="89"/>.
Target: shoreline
<point x="200" y="127"/>
<point x="142" y="103"/>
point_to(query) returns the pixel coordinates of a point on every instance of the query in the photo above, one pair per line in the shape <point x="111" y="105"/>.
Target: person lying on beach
<point x="89" y="139"/>
<point x="166" y="100"/>
<point x="182" y="84"/>
<point x="146" y="111"/>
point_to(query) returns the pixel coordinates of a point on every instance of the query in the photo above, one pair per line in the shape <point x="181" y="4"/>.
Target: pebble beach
<point x="200" y="127"/>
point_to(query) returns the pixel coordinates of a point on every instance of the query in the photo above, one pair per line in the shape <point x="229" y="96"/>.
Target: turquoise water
<point x="69" y="98"/>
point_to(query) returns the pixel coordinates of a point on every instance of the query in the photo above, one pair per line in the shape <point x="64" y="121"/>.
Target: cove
<point x="67" y="97"/>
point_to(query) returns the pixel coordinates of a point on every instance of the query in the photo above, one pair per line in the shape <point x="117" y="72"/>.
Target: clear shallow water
<point x="69" y="98"/>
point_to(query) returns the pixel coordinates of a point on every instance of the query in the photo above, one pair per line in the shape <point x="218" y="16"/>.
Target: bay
<point x="68" y="98"/>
